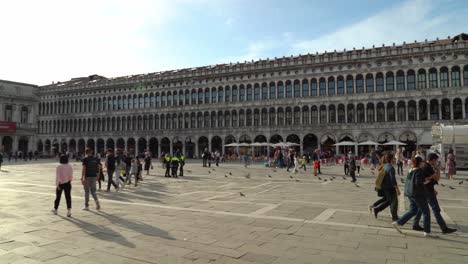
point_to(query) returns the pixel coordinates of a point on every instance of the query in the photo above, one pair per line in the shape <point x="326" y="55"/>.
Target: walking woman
<point x="147" y="163"/>
<point x="389" y="188"/>
<point x="450" y="164"/>
<point x="414" y="190"/>
<point x="399" y="162"/>
<point x="63" y="179"/>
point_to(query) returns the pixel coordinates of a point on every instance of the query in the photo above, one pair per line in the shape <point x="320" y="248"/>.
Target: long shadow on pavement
<point x="136" y="226"/>
<point x="100" y="232"/>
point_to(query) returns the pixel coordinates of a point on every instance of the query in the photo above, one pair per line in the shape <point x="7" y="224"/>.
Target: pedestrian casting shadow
<point x="4" y="171"/>
<point x="136" y="226"/>
<point x="100" y="232"/>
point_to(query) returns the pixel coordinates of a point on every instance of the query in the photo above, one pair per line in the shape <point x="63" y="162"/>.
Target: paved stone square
<point x="203" y="218"/>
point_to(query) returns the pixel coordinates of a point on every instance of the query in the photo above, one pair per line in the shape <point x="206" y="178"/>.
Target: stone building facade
<point x="18" y="116"/>
<point x="382" y="93"/>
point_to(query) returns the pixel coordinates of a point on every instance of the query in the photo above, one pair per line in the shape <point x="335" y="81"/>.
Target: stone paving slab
<point x="203" y="218"/>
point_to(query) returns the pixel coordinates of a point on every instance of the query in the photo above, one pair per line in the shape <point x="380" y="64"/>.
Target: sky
<point x="54" y="40"/>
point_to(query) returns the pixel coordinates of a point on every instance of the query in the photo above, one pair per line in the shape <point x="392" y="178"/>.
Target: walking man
<point x="89" y="176"/>
<point x="351" y="161"/>
<point x="110" y="165"/>
<point x="182" y="163"/>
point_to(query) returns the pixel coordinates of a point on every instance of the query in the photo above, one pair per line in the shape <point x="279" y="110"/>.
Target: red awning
<point x="7" y="127"/>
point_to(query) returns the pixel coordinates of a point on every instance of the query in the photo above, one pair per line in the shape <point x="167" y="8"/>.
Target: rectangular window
<point x="220" y="96"/>
<point x="9" y="113"/>
<point x="241" y="94"/>
<point x="227" y="94"/>
<point x="465" y="77"/>
<point x="322" y="88"/>
<point x="421" y="80"/>
<point x="432" y="79"/>
<point x="331" y="87"/>
<point x="379" y="85"/>
<point x="249" y="94"/>
<point x="169" y="100"/>
<point x="350" y="86"/>
<point x="340" y="88"/>
<point x="369" y="85"/>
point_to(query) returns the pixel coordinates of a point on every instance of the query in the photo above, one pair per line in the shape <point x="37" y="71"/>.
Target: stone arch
<point x="166" y="145"/>
<point x="385" y="137"/>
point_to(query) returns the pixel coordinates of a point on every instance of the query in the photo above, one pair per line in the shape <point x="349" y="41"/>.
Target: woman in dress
<point x="450" y="164"/>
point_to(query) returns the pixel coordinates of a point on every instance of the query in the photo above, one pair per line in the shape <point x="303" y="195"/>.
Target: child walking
<point x="303" y="163"/>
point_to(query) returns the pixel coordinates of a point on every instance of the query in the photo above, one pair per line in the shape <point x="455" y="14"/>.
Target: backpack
<point x="409" y="183"/>
<point x="380" y="177"/>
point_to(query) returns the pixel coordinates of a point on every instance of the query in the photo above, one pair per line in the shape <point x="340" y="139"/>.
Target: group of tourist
<point x="19" y="155"/>
<point x="120" y="166"/>
<point x="419" y="188"/>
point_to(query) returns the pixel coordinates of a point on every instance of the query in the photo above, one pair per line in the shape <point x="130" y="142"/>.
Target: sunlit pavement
<point x="226" y="214"/>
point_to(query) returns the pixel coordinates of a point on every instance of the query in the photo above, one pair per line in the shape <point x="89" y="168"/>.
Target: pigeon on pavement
<point x="460" y="182"/>
<point x="452" y="188"/>
<point x="241" y="194"/>
<point x="225" y="176"/>
<point x="230" y="173"/>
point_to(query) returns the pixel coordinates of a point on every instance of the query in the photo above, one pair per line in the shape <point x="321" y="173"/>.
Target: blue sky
<point x="53" y="40"/>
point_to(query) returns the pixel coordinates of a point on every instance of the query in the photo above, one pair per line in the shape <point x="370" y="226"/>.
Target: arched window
<point x="169" y="98"/>
<point x="379" y="82"/>
<point x="323" y="114"/>
<point x="220" y="118"/>
<point x="422" y="79"/>
<point x="412" y="111"/>
<point x="272" y="90"/>
<point x="305" y="115"/>
<point x="370" y="113"/>
<point x="256" y="92"/>
<point x="140" y="102"/>
<point x="331" y="86"/>
<point x="206" y="120"/>
<point x="193" y="101"/>
<point x="227" y="94"/>
<point x="249" y="92"/>
<point x="340" y="85"/>
<point x="350" y="113"/>
<point x="264" y="117"/>
<point x="445" y="115"/>
<point x="264" y="91"/>
<point x="314" y="114"/>
<point x="214" y="95"/>
<point x="360" y="113"/>
<point x="201" y="96"/>
<point x="434" y="109"/>
<point x="380" y="112"/>
<point x="220" y="95"/>
<point x="313" y="87"/>
<point x="297" y="88"/>
<point x="288" y="89"/>
<point x="272" y="117"/>
<point x="248" y="117"/>
<point x="256" y="117"/>
<point x="241" y="93"/>
<point x="410" y="80"/>
<point x="332" y="114"/>
<point x="207" y="96"/>
<point x="457" y="109"/>
<point x="288" y="116"/>
<point x="322" y="87"/>
<point x="280" y="90"/>
<point x="280" y="117"/>
<point x="213" y="120"/>
<point x="235" y="93"/>
<point x="175" y="98"/>
<point x="241" y="118"/>
<point x="455" y="76"/>
<point x="433" y="78"/>
<point x="193" y="120"/>
<point x="234" y="119"/>
<point x="305" y="88"/>
<point x="423" y="110"/>
<point x="465" y="77"/>
<point x="400" y="79"/>
<point x="369" y="83"/>
<point x="227" y="119"/>
<point x="350" y="84"/>
<point x="163" y="99"/>
<point x="391" y="112"/>
<point x="297" y="116"/>
<point x="390" y="81"/>
<point x="187" y="97"/>
<point x="401" y="111"/>
<point x="341" y="114"/>
<point x="151" y="104"/>
<point x="444" y="79"/>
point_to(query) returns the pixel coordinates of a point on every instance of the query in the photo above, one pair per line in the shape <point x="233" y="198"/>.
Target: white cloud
<point x="44" y="41"/>
<point x="409" y="21"/>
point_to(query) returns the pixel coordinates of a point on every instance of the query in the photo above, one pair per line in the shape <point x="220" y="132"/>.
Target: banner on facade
<point x="7" y="127"/>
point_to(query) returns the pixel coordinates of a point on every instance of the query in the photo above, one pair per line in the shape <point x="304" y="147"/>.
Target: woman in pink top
<point x="64" y="177"/>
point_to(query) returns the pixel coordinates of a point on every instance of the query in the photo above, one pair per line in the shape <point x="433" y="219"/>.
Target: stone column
<point x="385" y="112"/>
<point x="440" y="107"/>
<point x="196" y="150"/>
<point x="2" y="113"/>
<point x="406" y="111"/>
<point x="183" y="148"/>
<point x="328" y="114"/>
<point x="464" y="108"/>
<point x="346" y="113"/>
<point x="14" y="147"/>
<point x="417" y="111"/>
<point x="451" y="109"/>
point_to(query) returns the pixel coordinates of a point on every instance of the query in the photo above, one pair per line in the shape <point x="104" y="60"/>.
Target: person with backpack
<point x="89" y="176"/>
<point x="414" y="190"/>
<point x="389" y="188"/>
